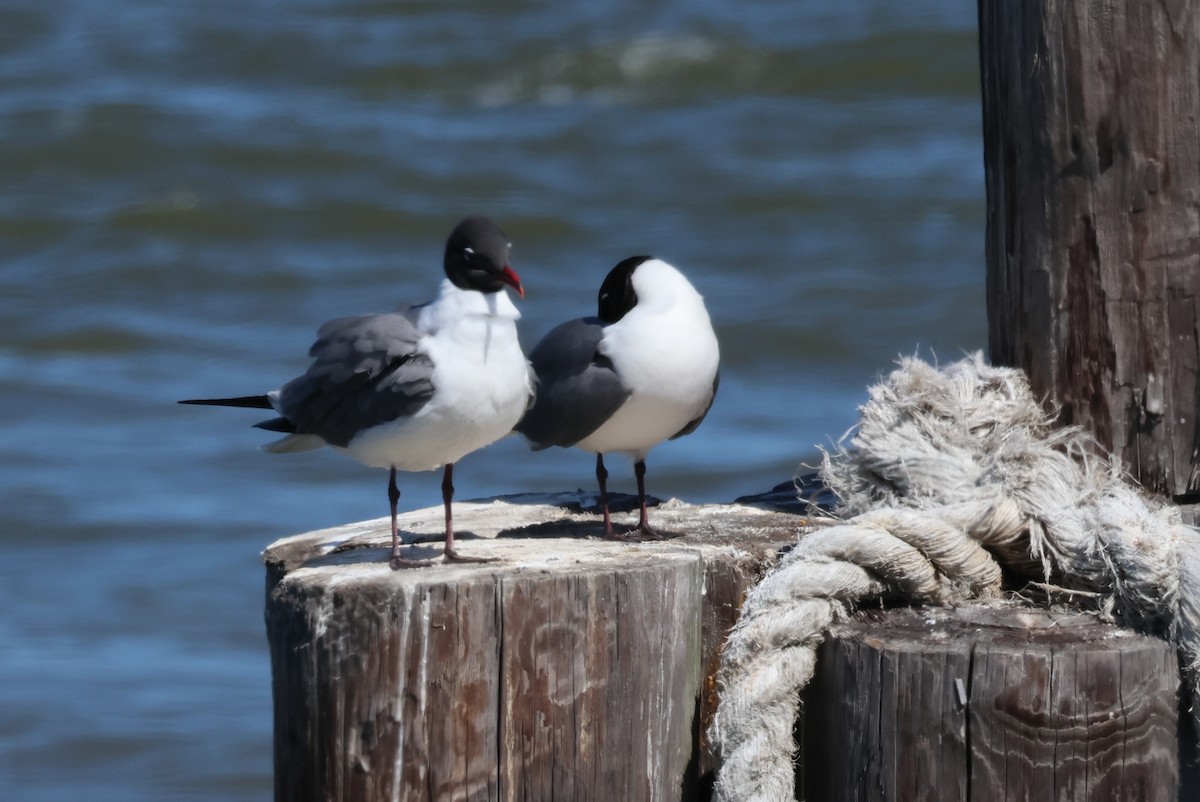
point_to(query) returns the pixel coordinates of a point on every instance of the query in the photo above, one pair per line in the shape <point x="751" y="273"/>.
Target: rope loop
<point x="954" y="478"/>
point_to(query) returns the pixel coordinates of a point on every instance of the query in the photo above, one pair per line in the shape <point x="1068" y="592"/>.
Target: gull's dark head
<point x="617" y="296"/>
<point x="477" y="257"/>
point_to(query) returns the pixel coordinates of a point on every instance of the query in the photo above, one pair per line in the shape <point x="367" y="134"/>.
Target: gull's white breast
<point x="480" y="379"/>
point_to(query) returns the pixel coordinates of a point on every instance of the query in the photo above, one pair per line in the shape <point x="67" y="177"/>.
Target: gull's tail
<point x="248" y="401"/>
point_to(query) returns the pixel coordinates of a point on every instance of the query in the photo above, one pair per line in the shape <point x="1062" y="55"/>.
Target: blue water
<point x="190" y="189"/>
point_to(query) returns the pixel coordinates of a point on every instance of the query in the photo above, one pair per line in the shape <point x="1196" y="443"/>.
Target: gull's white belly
<point x="426" y="442"/>
<point x="640" y="424"/>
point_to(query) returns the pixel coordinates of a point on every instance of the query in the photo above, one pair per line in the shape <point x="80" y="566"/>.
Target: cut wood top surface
<point x="528" y="531"/>
<point x="998" y="623"/>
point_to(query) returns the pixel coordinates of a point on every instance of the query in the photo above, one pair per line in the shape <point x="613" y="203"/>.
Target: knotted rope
<point x="954" y="478"/>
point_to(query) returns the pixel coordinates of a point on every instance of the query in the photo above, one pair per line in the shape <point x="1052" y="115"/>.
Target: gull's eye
<point x="468" y="252"/>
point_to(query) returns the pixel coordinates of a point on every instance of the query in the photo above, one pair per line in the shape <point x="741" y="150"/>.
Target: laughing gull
<point x="642" y="371"/>
<point x="419" y="388"/>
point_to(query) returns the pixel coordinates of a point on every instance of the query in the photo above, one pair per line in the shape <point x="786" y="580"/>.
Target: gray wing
<point x="365" y="371"/>
<point x="577" y="388"/>
<point x="692" y="424"/>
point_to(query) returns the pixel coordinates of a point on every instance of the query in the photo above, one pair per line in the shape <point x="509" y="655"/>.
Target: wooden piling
<point x="981" y="704"/>
<point x="573" y="668"/>
<point x="1092" y="164"/>
<point x="1091" y="121"/>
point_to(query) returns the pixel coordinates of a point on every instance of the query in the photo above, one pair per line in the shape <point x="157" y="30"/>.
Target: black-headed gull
<point x="419" y="388"/>
<point x="642" y="371"/>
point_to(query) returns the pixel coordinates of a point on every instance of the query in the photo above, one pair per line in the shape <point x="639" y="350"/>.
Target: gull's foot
<point x="452" y="556"/>
<point x="610" y="533"/>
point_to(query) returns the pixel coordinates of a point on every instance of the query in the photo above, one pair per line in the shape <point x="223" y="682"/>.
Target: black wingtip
<point x="245" y="401"/>
<point x="277" y="425"/>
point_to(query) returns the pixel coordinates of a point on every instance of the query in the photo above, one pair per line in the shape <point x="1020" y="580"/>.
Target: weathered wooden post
<point x="1091" y="119"/>
<point x="1092" y="157"/>
<point x="574" y="668"/>
<point x="984" y="704"/>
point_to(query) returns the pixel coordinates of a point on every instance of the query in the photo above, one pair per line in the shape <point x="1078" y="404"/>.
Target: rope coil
<point x="954" y="479"/>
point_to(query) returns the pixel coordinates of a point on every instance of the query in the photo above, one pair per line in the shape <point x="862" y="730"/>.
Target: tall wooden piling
<point x="572" y="668"/>
<point x="1091" y="122"/>
<point x="1091" y="119"/>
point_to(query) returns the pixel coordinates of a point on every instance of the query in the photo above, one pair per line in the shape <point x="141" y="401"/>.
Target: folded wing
<point x="577" y="387"/>
<point x="365" y="371"/>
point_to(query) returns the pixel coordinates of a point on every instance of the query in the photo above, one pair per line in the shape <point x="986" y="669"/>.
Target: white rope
<point x="953" y="477"/>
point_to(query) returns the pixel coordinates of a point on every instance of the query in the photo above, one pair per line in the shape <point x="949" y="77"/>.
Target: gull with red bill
<point x="419" y="388"/>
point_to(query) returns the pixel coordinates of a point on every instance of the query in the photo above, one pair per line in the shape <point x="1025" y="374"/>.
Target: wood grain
<point x="986" y="705"/>
<point x="1092" y="162"/>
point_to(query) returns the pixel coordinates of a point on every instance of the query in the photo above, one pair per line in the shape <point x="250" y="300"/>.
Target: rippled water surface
<point x="187" y="190"/>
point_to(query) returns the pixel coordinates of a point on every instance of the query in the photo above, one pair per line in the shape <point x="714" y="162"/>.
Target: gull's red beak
<point x="513" y="280"/>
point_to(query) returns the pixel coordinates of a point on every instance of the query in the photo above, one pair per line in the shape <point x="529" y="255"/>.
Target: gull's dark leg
<point x="602" y="480"/>
<point x="397" y="560"/>
<point x="447" y="493"/>
<point x="639" y="471"/>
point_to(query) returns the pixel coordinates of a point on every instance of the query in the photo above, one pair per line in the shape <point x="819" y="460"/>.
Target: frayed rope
<point x="954" y="478"/>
